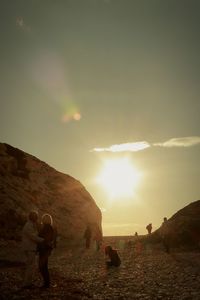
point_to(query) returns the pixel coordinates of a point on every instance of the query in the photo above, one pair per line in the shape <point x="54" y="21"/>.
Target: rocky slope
<point x="184" y="228"/>
<point x="27" y="183"/>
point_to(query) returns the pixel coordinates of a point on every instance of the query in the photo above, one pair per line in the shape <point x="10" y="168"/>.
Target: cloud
<point x="188" y="141"/>
<point x="126" y="147"/>
<point x="180" y="142"/>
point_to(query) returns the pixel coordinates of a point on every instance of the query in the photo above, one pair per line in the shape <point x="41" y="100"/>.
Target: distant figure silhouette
<point x="45" y="248"/>
<point x="149" y="228"/>
<point x="113" y="256"/>
<point x="137" y="244"/>
<point x="121" y="244"/>
<point x="165" y="236"/>
<point x="87" y="237"/>
<point x="98" y="238"/>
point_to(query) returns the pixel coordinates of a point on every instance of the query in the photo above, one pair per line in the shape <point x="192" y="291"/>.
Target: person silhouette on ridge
<point x="164" y="232"/>
<point x="149" y="228"/>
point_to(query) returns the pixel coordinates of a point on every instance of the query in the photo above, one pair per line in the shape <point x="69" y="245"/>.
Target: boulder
<point x="28" y="183"/>
<point x="183" y="228"/>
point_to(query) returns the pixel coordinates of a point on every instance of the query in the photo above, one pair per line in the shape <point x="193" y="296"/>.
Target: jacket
<point x="48" y="234"/>
<point x="30" y="236"/>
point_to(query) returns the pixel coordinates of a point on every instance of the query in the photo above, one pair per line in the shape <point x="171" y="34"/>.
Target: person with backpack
<point x="149" y="228"/>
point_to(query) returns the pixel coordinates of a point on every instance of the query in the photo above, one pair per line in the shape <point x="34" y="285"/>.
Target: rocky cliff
<point x="183" y="228"/>
<point x="27" y="183"/>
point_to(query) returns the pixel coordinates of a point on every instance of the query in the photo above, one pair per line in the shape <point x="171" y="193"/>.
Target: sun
<point x="119" y="178"/>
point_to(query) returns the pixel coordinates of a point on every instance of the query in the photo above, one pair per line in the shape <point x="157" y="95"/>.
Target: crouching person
<point x="30" y="240"/>
<point x="112" y="255"/>
<point x="46" y="232"/>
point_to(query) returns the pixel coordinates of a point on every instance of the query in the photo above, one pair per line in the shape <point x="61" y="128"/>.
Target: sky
<point x="89" y="81"/>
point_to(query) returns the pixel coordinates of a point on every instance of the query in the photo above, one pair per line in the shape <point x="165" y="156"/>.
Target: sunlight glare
<point x="119" y="178"/>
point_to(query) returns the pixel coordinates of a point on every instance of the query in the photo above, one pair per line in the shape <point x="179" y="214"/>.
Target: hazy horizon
<point x="86" y="83"/>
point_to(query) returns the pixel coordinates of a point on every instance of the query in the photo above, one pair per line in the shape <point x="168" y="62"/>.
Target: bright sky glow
<point x="86" y="81"/>
<point x="119" y="178"/>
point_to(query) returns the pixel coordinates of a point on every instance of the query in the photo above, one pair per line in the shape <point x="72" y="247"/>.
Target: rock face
<point x="183" y="228"/>
<point x="27" y="183"/>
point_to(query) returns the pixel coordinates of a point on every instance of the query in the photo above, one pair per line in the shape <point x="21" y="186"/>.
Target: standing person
<point x="45" y="248"/>
<point x="137" y="244"/>
<point x="149" y="228"/>
<point x="29" y="244"/>
<point x="87" y="237"/>
<point x="114" y="259"/>
<point x="98" y="238"/>
<point x="165" y="234"/>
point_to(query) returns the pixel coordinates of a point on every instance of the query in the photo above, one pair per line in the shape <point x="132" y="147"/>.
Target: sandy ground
<point x="144" y="274"/>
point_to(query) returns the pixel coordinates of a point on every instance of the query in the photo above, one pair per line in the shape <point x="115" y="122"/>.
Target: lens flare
<point x="71" y="112"/>
<point x="50" y="75"/>
<point x="77" y="116"/>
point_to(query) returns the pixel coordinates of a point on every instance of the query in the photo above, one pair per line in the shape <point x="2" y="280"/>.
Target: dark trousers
<point x="112" y="264"/>
<point x="109" y="264"/>
<point x="43" y="267"/>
